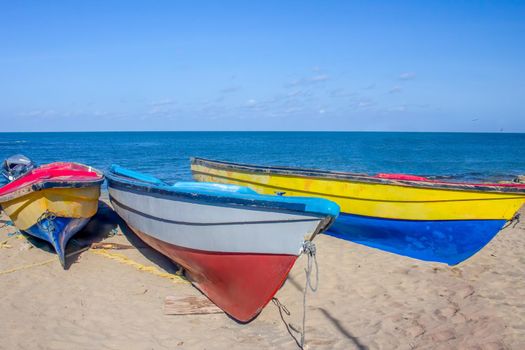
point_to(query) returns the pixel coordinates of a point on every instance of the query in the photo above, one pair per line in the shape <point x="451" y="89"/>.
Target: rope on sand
<point x="150" y="269"/>
<point x="6" y="223"/>
<point x="4" y="242"/>
<point x="41" y="263"/>
<point x="94" y="248"/>
<point x="23" y="267"/>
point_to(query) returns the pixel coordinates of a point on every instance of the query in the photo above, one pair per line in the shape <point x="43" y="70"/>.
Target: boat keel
<point x="58" y="231"/>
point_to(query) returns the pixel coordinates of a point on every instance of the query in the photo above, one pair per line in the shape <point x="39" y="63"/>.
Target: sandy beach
<point x="231" y="135"/>
<point x="366" y="299"/>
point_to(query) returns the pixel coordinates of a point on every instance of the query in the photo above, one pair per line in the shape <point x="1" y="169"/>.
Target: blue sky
<point x="266" y="65"/>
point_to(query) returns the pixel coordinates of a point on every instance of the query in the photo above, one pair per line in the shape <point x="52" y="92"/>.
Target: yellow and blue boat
<point x="409" y="215"/>
<point x="51" y="202"/>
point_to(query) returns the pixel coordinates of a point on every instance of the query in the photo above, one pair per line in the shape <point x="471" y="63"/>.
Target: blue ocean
<point x="461" y="156"/>
<point x="454" y="156"/>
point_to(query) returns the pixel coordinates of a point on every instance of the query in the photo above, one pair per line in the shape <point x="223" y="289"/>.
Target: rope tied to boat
<point x="515" y="220"/>
<point x="310" y="250"/>
<point x="50" y="224"/>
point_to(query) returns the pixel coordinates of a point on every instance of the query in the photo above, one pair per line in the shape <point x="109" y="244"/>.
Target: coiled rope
<point x="46" y="222"/>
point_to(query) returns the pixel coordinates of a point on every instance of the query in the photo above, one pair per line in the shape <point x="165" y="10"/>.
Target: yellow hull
<point x="380" y="200"/>
<point x="77" y="203"/>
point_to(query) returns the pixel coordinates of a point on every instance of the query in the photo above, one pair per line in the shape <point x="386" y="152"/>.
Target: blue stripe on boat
<point x="65" y="228"/>
<point x="447" y="241"/>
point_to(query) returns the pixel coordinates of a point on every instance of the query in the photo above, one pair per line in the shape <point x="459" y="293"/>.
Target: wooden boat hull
<point x="54" y="208"/>
<point x="440" y="222"/>
<point x="236" y="249"/>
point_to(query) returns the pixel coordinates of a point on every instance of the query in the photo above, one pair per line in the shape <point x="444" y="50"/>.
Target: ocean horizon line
<point x="263" y="131"/>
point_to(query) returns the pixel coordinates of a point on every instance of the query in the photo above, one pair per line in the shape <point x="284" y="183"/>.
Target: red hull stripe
<point x="402" y="177"/>
<point x="72" y="172"/>
<point x="241" y="284"/>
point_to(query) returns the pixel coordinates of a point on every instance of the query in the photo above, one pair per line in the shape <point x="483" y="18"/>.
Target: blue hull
<point x="448" y="241"/>
<point x="58" y="232"/>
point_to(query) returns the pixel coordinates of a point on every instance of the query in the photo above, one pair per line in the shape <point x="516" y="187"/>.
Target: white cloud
<point x="61" y="114"/>
<point x="407" y="76"/>
<point x="162" y="102"/>
<point x="365" y="103"/>
<point x="395" y="89"/>
<point x="400" y="108"/>
<point x="291" y="110"/>
<point x="342" y="93"/>
<point x="319" y="78"/>
<point x="38" y="113"/>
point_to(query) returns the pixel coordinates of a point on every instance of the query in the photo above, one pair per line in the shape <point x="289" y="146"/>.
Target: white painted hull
<point x="212" y="227"/>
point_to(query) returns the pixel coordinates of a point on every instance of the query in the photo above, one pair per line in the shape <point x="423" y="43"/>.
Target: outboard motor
<point x="17" y="166"/>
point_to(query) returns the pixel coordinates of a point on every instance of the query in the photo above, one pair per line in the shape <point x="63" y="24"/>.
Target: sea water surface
<point x="462" y="156"/>
<point x="457" y="156"/>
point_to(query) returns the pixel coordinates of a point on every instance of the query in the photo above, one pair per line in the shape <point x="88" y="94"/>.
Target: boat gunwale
<point x="44" y="185"/>
<point x="47" y="183"/>
<point x="355" y="177"/>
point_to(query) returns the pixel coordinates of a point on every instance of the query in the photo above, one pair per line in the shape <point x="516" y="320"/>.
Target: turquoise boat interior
<point x="221" y="194"/>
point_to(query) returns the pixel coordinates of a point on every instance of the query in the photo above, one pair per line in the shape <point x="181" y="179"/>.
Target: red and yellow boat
<point x="51" y="202"/>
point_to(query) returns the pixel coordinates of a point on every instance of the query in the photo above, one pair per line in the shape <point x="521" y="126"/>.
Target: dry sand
<point x="367" y="299"/>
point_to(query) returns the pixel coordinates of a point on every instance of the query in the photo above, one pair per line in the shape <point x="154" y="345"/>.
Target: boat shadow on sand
<point x="107" y="216"/>
<point x="149" y="253"/>
<point x="100" y="227"/>
<point x="105" y="224"/>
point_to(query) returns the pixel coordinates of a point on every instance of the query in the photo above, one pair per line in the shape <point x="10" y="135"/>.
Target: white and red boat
<point x="237" y="246"/>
